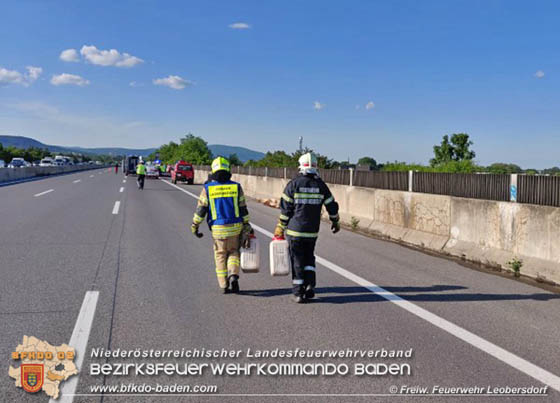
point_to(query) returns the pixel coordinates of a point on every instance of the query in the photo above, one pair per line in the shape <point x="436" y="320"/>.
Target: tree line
<point x="453" y="155"/>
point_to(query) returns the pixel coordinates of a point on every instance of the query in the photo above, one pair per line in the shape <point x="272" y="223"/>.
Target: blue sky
<point x="380" y="78"/>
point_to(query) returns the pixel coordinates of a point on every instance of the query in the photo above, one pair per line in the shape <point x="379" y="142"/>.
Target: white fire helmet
<point x="308" y="164"/>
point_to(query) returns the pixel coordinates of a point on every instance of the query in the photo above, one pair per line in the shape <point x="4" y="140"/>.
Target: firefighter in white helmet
<point x="300" y="218"/>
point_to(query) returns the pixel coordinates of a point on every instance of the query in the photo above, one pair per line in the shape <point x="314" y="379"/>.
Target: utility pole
<point x="300" y="144"/>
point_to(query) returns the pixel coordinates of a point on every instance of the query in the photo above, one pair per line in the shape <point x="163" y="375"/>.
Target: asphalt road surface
<point x="69" y="254"/>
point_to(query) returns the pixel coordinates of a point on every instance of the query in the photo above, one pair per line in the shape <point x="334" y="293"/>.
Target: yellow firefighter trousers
<point x="226" y="254"/>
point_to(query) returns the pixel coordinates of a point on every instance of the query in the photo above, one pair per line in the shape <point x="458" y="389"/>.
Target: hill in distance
<point x="243" y="154"/>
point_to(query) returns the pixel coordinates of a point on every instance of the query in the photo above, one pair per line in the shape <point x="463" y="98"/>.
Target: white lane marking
<point x="43" y="193"/>
<point x="528" y="368"/>
<point x="124" y="181"/>
<point x="121" y="190"/>
<point x="77" y="180"/>
<point x="91" y="176"/>
<point x="116" y="207"/>
<point x="78" y="341"/>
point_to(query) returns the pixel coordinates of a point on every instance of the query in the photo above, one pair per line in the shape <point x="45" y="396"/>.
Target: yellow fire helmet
<point x="220" y="164"/>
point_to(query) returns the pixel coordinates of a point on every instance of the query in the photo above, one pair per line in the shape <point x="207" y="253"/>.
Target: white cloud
<point x="33" y="73"/>
<point x="175" y="82"/>
<point x="370" y="105"/>
<point x="318" y="105"/>
<point x="110" y="57"/>
<point x="539" y="74"/>
<point x="15" y="77"/>
<point x="135" y="84"/>
<point x="70" y="55"/>
<point x="239" y="25"/>
<point x="69" y="79"/>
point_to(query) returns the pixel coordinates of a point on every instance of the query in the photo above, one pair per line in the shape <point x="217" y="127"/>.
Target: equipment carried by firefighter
<point x="279" y="258"/>
<point x="251" y="257"/>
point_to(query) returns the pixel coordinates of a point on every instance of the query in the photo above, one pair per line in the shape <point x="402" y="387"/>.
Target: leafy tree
<point x="503" y="168"/>
<point x="275" y="159"/>
<point x="234" y="160"/>
<point x="552" y="171"/>
<point x="194" y="150"/>
<point x="368" y="161"/>
<point x="456" y="149"/>
<point x="466" y="166"/>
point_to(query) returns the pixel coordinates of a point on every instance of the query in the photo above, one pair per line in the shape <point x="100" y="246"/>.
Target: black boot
<point x="235" y="284"/>
<point x="309" y="292"/>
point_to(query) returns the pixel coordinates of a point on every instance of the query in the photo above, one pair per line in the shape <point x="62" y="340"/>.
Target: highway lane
<point x="158" y="290"/>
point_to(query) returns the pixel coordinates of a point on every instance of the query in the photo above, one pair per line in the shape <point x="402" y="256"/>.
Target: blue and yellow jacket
<point x="225" y="206"/>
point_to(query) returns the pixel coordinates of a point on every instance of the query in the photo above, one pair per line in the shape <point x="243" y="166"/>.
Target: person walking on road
<point x="141" y="172"/>
<point x="116" y="168"/>
<point x="223" y="202"/>
<point x="300" y="218"/>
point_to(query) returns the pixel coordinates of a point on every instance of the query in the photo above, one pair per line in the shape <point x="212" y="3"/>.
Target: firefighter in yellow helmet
<point x="224" y="203"/>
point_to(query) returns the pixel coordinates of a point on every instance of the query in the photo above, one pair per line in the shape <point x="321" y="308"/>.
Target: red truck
<point x="182" y="171"/>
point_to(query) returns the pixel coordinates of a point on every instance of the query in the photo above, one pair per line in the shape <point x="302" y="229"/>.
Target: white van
<point x="58" y="160"/>
<point x="46" y="162"/>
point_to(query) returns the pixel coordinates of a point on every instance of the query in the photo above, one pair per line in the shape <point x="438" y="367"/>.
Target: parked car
<point x="17" y="163"/>
<point x="36" y="163"/>
<point x="58" y="160"/>
<point x="152" y="171"/>
<point x="2" y="164"/>
<point x="182" y="171"/>
<point x="46" y="162"/>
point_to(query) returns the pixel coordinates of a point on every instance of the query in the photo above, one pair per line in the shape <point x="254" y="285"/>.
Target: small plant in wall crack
<point x="354" y="223"/>
<point x="515" y="264"/>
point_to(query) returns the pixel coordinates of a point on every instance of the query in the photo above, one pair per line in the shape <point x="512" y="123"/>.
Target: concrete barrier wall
<point x="483" y="231"/>
<point x="15" y="174"/>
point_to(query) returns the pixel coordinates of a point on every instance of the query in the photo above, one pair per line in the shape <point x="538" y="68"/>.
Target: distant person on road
<point x="141" y="172"/>
<point x="116" y="168"/>
<point x="228" y="218"/>
<point x="300" y="218"/>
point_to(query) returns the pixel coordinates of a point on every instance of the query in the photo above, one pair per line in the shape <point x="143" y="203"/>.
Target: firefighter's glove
<point x="335" y="226"/>
<point x="246" y="236"/>
<point x="279" y="231"/>
<point x="194" y="230"/>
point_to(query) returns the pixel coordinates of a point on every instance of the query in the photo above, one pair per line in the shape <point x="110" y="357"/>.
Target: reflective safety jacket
<point x="301" y="205"/>
<point x="225" y="207"/>
<point x="140" y="169"/>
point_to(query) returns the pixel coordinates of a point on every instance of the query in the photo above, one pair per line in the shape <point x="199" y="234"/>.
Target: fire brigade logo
<point x="32" y="377"/>
<point x="42" y="366"/>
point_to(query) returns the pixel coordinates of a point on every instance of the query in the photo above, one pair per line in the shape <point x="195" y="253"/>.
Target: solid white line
<point x="43" y="193"/>
<point x="78" y="341"/>
<point x="121" y="190"/>
<point x="534" y="371"/>
<point x="116" y="207"/>
<point x="77" y="180"/>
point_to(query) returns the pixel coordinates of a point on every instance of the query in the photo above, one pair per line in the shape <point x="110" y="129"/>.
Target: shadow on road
<point x="435" y="293"/>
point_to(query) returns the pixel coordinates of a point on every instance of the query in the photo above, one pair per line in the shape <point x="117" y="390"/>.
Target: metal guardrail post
<point x="351" y="176"/>
<point x="410" y="176"/>
<point x="513" y="189"/>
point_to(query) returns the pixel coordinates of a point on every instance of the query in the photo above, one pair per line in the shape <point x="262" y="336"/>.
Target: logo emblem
<point x="32" y="377"/>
